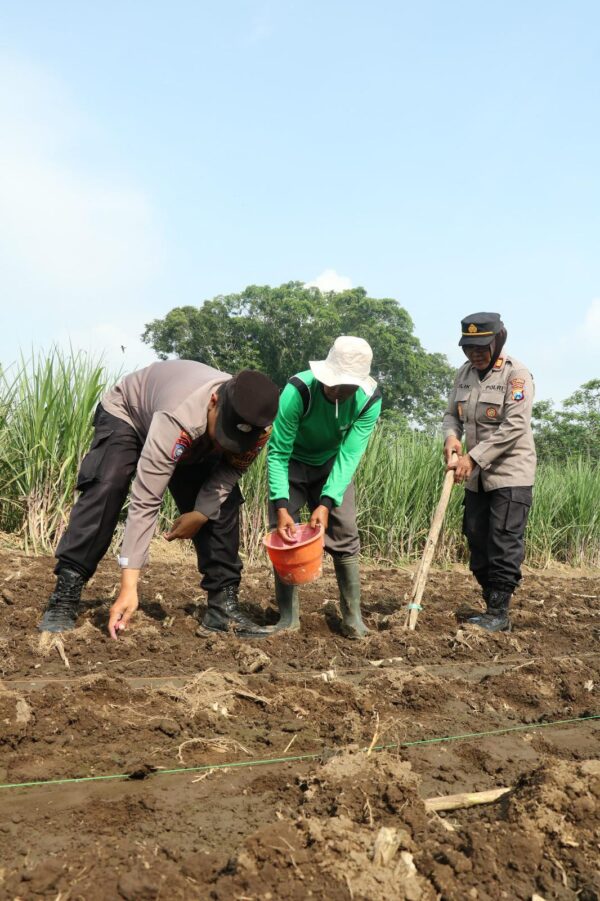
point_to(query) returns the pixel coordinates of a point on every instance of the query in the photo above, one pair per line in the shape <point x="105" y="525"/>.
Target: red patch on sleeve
<point x="181" y="446"/>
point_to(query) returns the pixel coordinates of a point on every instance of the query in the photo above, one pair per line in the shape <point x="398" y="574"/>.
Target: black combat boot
<point x="495" y="619"/>
<point x="224" y="615"/>
<point x="63" y="604"/>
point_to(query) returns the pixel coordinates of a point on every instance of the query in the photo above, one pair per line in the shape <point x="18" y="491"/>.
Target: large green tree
<point x="278" y="330"/>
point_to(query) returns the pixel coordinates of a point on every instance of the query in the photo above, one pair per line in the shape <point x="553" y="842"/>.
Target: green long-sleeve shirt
<point x="325" y="431"/>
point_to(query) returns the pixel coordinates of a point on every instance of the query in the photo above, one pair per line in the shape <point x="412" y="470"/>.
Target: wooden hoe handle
<point x="414" y="605"/>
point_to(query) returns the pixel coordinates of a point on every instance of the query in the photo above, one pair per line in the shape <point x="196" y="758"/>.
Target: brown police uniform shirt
<point x="494" y="414"/>
<point x="166" y="403"/>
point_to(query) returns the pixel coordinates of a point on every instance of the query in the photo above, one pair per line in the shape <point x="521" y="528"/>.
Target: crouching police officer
<point x="180" y="425"/>
<point x="490" y="404"/>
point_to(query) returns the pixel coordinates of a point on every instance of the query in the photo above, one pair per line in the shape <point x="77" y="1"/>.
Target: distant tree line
<point x="278" y="330"/>
<point x="574" y="430"/>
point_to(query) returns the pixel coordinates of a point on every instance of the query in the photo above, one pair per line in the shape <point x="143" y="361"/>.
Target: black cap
<point x="247" y="405"/>
<point x="480" y="328"/>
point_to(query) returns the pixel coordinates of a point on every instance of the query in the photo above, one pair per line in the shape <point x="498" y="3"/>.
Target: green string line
<point x="313" y="756"/>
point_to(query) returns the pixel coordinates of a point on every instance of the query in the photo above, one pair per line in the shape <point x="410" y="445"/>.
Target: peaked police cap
<point x="480" y="328"/>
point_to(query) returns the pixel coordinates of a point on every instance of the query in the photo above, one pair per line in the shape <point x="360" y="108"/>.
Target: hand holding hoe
<point x="414" y="605"/>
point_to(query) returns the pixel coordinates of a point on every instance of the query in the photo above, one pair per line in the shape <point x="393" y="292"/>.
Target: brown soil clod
<point x="49" y="641"/>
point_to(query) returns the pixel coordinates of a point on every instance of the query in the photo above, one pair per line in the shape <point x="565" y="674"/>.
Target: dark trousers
<point x="104" y="479"/>
<point x="494" y="525"/>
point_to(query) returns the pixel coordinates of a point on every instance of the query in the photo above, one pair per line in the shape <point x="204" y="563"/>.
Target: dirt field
<point x="165" y="698"/>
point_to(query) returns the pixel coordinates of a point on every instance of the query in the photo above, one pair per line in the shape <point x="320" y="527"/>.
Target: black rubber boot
<point x="495" y="619"/>
<point x="347" y="574"/>
<point x="224" y="615"/>
<point x="63" y="604"/>
<point x="288" y="604"/>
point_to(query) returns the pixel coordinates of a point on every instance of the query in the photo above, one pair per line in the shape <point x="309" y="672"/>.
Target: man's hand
<point x="464" y="468"/>
<point x="126" y="604"/>
<point x="286" y="527"/>
<point x="452" y="446"/>
<point x="320" y="517"/>
<point x="186" y="525"/>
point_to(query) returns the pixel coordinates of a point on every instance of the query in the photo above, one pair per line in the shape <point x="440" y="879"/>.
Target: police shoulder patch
<point x="517" y="388"/>
<point x="181" y="446"/>
<point x="498" y="364"/>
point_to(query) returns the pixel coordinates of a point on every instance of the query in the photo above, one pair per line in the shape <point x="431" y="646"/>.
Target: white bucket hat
<point x="348" y="363"/>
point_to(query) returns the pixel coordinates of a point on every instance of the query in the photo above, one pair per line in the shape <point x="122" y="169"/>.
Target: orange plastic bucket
<point x="300" y="561"/>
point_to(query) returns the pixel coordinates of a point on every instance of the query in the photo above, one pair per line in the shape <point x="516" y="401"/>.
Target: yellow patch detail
<point x="491" y="412"/>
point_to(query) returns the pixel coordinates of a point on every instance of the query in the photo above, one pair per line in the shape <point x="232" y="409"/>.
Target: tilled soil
<point x="165" y="697"/>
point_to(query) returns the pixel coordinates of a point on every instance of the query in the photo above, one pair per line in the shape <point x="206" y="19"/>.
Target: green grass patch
<point x="46" y="410"/>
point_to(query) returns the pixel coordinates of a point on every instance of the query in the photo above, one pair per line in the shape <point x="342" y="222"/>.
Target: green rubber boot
<point x="288" y="604"/>
<point x="348" y="578"/>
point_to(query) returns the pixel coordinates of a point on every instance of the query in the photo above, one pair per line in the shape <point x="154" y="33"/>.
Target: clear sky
<point x="154" y="154"/>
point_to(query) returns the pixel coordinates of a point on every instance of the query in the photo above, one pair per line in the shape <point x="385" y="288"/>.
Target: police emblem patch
<point x="491" y="412"/>
<point x="517" y="389"/>
<point x="181" y="446"/>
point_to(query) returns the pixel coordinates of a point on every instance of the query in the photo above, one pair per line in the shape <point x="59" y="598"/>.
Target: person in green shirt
<point x="325" y="419"/>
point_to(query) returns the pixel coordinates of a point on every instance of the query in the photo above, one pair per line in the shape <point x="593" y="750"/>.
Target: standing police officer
<point x="490" y="404"/>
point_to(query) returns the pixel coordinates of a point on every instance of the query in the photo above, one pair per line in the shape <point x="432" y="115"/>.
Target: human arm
<point x="348" y="456"/>
<point x="452" y="426"/>
<point x="320" y="517"/>
<point x="452" y="446"/>
<point x="281" y="445"/>
<point x="463" y="468"/>
<point x="452" y="429"/>
<point x="126" y="603"/>
<point x="154" y="471"/>
<point x="186" y="526"/>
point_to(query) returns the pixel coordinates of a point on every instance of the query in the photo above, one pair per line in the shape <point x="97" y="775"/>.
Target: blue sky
<point x="155" y="154"/>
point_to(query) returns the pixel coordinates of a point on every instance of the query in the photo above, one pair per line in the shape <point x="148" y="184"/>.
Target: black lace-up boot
<point x="495" y="619"/>
<point x="63" y="604"/>
<point x="224" y="615"/>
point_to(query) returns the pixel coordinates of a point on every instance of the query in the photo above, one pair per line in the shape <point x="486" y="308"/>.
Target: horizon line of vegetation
<point x="46" y="412"/>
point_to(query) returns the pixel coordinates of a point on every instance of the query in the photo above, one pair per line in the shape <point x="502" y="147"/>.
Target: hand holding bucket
<point x="297" y="561"/>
